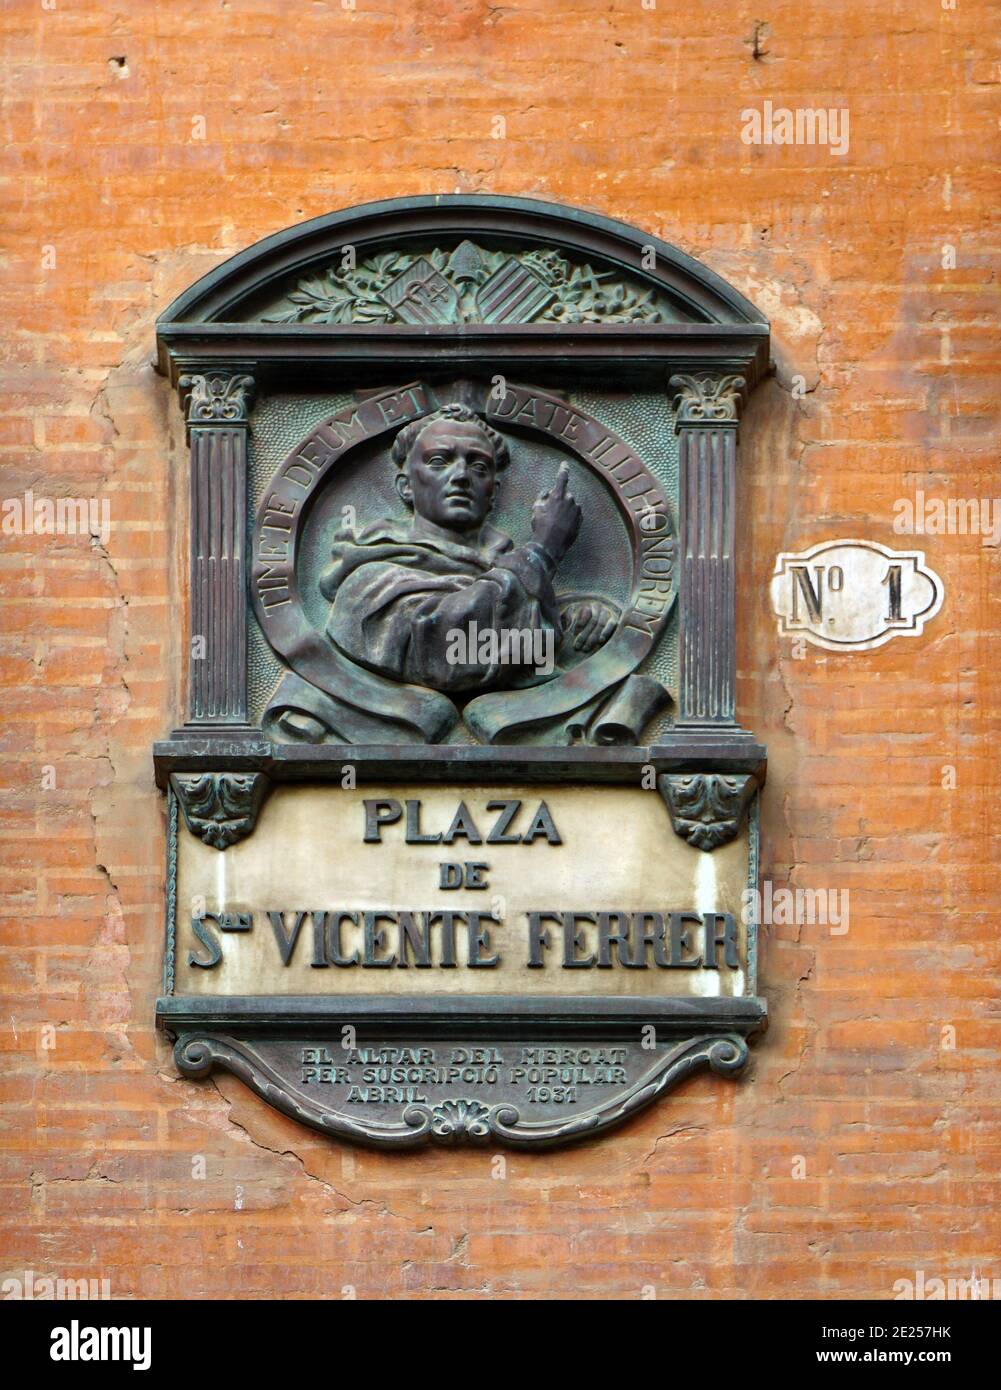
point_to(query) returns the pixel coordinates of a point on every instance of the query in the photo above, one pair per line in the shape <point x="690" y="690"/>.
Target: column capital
<point x="707" y="400"/>
<point x="216" y="398"/>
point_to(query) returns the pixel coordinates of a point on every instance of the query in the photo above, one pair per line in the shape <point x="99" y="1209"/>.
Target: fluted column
<point x="218" y="419"/>
<point x="707" y="407"/>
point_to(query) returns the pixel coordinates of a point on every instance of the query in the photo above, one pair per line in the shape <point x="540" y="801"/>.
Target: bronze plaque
<point x="462" y="829"/>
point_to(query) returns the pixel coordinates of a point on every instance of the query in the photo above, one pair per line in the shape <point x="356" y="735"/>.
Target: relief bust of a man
<point x="400" y="589"/>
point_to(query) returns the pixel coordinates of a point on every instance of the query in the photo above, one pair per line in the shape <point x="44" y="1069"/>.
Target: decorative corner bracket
<point x="705" y="398"/>
<point x="706" y="808"/>
<point x="220" y="807"/>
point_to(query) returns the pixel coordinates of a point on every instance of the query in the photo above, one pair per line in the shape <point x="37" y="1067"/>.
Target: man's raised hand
<point x="556" y="517"/>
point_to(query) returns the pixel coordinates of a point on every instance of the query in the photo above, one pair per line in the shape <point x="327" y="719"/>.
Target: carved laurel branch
<point x="566" y="293"/>
<point x="220" y="807"/>
<point x="217" y="398"/>
<point x="460" y="1119"/>
<point x="706" y="808"/>
<point x="705" y="398"/>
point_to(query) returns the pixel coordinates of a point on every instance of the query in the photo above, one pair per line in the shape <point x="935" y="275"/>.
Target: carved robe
<point x="381" y="674"/>
<point x="398" y="598"/>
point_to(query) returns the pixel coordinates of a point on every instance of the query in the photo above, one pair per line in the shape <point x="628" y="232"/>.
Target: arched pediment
<point x="450" y="260"/>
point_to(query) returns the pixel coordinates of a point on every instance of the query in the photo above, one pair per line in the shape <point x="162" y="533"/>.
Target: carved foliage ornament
<point x="218" y="398"/>
<point x="220" y="807"/>
<point x="707" y="399"/>
<point x="470" y="284"/>
<point x="707" y="808"/>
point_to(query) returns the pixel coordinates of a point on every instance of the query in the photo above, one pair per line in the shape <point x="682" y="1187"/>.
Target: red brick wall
<point x="860" y="1149"/>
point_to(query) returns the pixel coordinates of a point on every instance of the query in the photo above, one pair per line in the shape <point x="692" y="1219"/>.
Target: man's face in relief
<point x="450" y="475"/>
